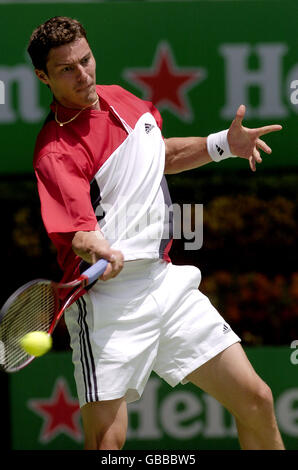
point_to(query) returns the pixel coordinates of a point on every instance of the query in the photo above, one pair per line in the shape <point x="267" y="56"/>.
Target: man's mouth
<point x="85" y="87"/>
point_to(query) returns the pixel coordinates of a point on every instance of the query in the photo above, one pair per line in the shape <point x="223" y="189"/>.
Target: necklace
<point x="75" y="116"/>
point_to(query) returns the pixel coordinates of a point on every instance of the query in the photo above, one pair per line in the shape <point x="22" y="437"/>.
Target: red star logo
<point x="60" y="413"/>
<point x="165" y="84"/>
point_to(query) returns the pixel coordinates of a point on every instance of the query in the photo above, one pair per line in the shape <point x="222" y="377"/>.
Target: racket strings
<point x="31" y="310"/>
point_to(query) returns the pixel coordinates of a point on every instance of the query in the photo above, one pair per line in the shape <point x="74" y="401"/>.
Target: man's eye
<point x="85" y="60"/>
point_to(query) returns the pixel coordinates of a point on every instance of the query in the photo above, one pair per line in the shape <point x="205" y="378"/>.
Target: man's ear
<point x="42" y="76"/>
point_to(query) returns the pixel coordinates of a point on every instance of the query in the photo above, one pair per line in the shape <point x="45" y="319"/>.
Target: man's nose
<point x="82" y="75"/>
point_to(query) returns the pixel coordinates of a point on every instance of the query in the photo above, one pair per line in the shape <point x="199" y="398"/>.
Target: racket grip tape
<point x="95" y="271"/>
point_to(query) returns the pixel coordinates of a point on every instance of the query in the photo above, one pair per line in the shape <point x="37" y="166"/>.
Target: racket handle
<point x="95" y="271"/>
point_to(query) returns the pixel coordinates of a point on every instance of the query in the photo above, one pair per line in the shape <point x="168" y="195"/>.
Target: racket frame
<point x="76" y="287"/>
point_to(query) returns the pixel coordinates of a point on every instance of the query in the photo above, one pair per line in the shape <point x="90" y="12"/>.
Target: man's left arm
<point x="187" y="153"/>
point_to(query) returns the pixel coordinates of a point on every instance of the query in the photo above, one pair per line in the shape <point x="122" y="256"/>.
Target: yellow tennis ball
<point x="36" y="343"/>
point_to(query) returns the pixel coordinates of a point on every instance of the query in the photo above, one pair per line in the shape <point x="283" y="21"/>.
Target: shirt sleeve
<point x="64" y="192"/>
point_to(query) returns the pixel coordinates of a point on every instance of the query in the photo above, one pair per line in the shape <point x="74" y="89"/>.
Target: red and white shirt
<point x="105" y="170"/>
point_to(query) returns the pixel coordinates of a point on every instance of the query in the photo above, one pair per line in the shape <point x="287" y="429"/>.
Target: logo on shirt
<point x="148" y="127"/>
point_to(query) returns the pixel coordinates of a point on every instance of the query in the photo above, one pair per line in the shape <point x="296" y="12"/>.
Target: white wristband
<point x="218" y="146"/>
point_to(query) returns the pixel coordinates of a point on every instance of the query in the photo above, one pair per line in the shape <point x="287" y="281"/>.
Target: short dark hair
<point x="55" y="32"/>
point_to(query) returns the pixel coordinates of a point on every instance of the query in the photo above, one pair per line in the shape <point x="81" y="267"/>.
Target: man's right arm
<point x="91" y="246"/>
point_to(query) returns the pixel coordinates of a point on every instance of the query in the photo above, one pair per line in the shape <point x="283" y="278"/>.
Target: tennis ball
<point x="36" y="343"/>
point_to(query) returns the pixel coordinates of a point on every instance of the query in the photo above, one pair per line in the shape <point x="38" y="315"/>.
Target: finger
<point x="263" y="146"/>
<point x="257" y="156"/>
<point x="109" y="269"/>
<point x="240" y="114"/>
<point x="252" y="163"/>
<point x="110" y="273"/>
<point x="117" y="266"/>
<point x="254" y="158"/>
<point x="94" y="258"/>
<point x="116" y="262"/>
<point x="267" y="129"/>
<point x="107" y="274"/>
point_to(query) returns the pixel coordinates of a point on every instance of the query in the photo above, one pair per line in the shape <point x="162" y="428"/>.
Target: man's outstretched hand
<point x="245" y="142"/>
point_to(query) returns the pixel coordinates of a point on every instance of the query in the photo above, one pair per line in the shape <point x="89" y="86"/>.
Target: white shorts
<point x="151" y="317"/>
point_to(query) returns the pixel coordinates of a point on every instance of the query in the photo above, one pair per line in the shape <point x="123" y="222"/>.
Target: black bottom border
<point x="137" y="459"/>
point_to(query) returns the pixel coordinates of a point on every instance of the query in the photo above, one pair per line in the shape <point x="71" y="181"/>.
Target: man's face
<point x="71" y="74"/>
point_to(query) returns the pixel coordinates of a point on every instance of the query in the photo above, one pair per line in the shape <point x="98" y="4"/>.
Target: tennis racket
<point x="37" y="306"/>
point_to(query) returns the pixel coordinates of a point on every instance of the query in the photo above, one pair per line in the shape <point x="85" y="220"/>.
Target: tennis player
<point x="100" y="161"/>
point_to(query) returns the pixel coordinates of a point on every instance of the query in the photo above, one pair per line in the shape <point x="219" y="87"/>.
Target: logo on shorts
<point x="226" y="329"/>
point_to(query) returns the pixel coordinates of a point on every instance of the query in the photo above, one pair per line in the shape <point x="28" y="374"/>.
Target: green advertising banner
<point x="197" y="61"/>
<point x="45" y="412"/>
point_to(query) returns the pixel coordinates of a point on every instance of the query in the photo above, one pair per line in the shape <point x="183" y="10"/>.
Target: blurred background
<point x="197" y="61"/>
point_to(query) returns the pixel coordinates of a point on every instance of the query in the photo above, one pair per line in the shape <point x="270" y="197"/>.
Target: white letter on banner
<point x="28" y="94"/>
<point x="2" y="92"/>
<point x="268" y="78"/>
<point x="172" y="419"/>
<point x="287" y="413"/>
<point x="294" y="355"/>
<point x="216" y="422"/>
<point x="147" y="411"/>
<point x="294" y="94"/>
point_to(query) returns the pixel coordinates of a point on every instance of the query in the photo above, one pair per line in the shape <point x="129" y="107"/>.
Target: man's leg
<point x="105" y="424"/>
<point x="230" y="378"/>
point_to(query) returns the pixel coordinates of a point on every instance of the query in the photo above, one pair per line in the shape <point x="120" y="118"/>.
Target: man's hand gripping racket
<point x="37" y="306"/>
